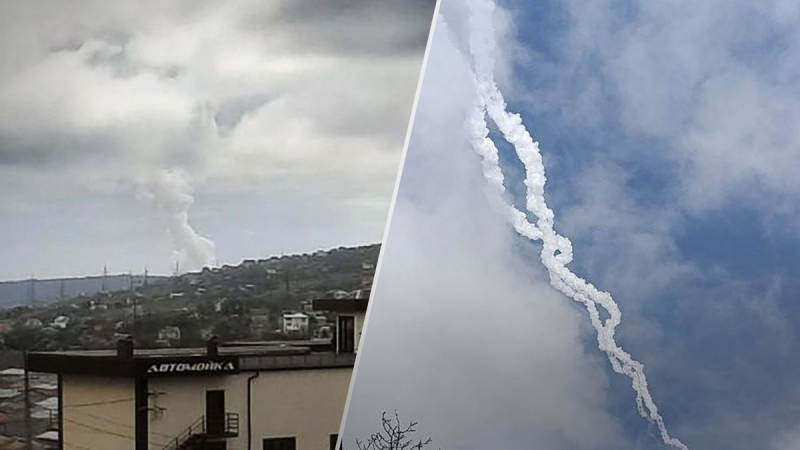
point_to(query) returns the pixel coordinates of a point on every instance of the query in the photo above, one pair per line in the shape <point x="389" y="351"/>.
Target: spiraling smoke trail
<point x="172" y="189"/>
<point x="556" y="249"/>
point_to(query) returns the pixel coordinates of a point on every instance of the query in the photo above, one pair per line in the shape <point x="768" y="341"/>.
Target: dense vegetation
<point x="233" y="302"/>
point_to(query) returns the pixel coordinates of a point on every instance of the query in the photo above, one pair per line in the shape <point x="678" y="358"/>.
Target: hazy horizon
<point x="112" y="273"/>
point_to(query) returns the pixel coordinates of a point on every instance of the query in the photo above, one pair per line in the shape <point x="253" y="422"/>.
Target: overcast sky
<point x="668" y="130"/>
<point x="283" y="121"/>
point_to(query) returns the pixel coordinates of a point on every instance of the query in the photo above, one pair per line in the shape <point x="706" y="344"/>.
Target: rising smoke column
<point x="556" y="249"/>
<point x="172" y="190"/>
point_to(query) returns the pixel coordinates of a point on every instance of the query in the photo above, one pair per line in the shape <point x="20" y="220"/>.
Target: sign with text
<point x="188" y="366"/>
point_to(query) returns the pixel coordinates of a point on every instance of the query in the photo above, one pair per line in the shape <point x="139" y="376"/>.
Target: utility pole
<point x="145" y="277"/>
<point x="135" y="317"/>
<point x="28" y="431"/>
<point x="288" y="282"/>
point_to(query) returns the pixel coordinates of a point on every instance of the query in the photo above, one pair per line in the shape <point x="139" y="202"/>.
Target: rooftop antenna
<point x="135" y="318"/>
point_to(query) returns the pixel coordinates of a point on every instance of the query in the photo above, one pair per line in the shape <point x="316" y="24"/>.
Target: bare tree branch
<point x="394" y="436"/>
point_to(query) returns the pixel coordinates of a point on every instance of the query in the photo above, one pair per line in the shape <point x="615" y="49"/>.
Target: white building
<point x="219" y="304"/>
<point x="60" y="322"/>
<point x="95" y="306"/>
<point x="33" y="322"/>
<point x="295" y="323"/>
<point x="169" y="334"/>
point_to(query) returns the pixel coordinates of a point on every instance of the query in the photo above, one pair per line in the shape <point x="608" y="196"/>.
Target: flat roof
<point x="314" y="344"/>
<point x="341" y="305"/>
<point x="141" y="353"/>
<point x="274" y="356"/>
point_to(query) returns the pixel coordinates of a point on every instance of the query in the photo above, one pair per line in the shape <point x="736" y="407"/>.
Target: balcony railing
<point x="231" y="428"/>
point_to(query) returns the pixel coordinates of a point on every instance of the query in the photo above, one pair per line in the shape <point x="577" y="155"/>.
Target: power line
<point x="101" y="430"/>
<point x="120" y="423"/>
<point x="108" y="402"/>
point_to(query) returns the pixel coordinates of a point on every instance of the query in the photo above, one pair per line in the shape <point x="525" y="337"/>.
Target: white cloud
<point x="685" y="74"/>
<point x="703" y="96"/>
<point x="787" y="441"/>
<point x="243" y="96"/>
<point x="463" y="336"/>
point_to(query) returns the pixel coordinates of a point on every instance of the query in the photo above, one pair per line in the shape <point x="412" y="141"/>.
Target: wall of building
<point x="359" y="325"/>
<point x="176" y="403"/>
<point x="98" y="413"/>
<point x="307" y="404"/>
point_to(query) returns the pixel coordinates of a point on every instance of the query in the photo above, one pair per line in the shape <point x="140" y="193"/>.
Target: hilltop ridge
<point x="242" y="302"/>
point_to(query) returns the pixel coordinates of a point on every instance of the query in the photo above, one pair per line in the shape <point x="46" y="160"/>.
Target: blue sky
<point x="723" y="358"/>
<point x="668" y="133"/>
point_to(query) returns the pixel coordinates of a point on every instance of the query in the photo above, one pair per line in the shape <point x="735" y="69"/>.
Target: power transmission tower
<point x="31" y="291"/>
<point x="105" y="277"/>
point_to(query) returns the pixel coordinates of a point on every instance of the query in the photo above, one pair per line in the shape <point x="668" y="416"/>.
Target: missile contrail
<point x="556" y="249"/>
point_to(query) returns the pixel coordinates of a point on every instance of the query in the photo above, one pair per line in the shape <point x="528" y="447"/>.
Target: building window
<point x="334" y="438"/>
<point x="284" y="443"/>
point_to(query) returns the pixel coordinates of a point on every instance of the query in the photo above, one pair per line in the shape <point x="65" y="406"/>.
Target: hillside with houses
<point x="256" y="300"/>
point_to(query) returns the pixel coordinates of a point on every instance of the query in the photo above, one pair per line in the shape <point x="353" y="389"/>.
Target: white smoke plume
<point x="172" y="190"/>
<point x="556" y="249"/>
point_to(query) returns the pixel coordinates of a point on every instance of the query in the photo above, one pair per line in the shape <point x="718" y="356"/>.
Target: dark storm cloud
<point x="344" y="30"/>
<point x="355" y="26"/>
<point x="50" y="149"/>
<point x="231" y="111"/>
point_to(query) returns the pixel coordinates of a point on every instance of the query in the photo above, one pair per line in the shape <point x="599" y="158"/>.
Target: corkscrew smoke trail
<point x="556" y="249"/>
